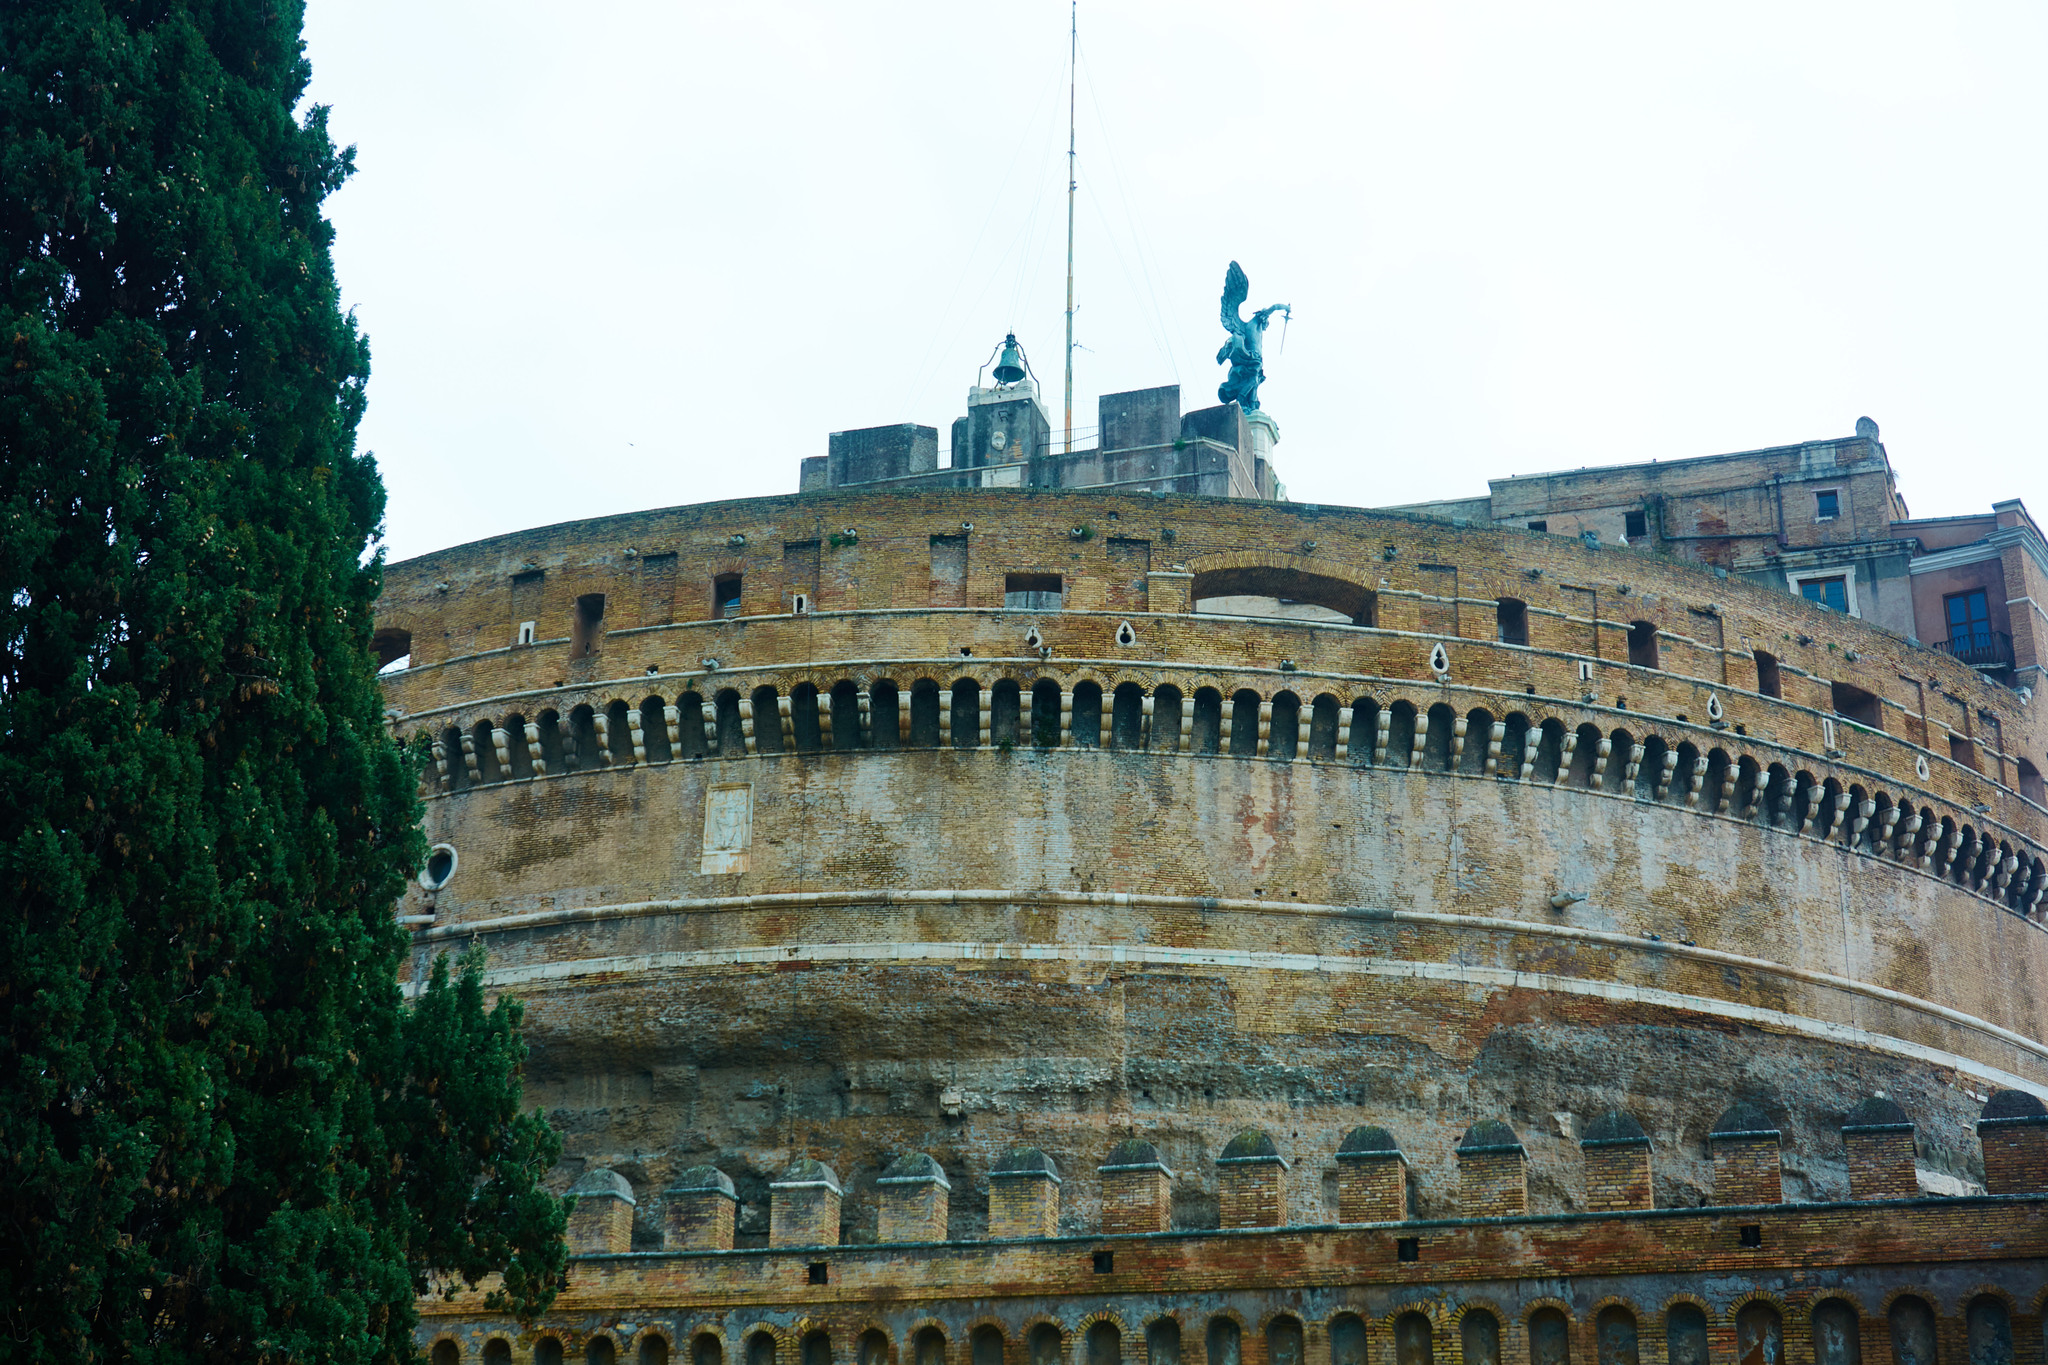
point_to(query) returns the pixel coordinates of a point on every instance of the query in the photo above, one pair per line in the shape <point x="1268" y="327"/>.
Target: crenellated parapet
<point x="1136" y="1185"/>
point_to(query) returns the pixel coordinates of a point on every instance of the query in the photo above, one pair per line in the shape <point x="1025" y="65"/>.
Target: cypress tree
<point x="225" y="1134"/>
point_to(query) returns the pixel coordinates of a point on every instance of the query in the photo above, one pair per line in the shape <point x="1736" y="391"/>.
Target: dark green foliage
<point x="224" y="1135"/>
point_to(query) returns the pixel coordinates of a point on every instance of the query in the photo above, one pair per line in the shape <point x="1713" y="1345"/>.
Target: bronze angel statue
<point x="1245" y="352"/>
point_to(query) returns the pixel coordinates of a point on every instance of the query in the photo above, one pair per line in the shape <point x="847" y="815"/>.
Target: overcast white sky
<point x="625" y="255"/>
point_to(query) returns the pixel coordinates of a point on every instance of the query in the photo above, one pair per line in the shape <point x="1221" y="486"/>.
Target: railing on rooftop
<point x="1979" y="648"/>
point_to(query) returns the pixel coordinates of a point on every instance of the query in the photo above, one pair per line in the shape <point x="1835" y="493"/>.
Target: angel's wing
<point x="1236" y="289"/>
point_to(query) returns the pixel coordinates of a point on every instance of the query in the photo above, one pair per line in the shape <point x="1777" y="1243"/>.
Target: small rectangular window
<point x="589" y="625"/>
<point x="1827" y="505"/>
<point x="1637" y="525"/>
<point x="1513" y="619"/>
<point x="1832" y="593"/>
<point x="1767" y="681"/>
<point x="1105" y="1262"/>
<point x="816" y="1271"/>
<point x="725" y="596"/>
<point x="1032" y="591"/>
<point x="1539" y="526"/>
<point x="1407" y="1248"/>
<point x="1752" y="1234"/>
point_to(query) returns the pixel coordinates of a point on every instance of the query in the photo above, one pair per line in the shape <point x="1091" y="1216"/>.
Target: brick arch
<point x="1907" y="1291"/>
<point x="1690" y="1299"/>
<point x="1252" y="573"/>
<point x="1975" y="1292"/>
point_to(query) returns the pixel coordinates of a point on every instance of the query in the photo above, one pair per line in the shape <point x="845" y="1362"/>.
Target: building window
<point x="1969" y="620"/>
<point x="1513" y="618"/>
<point x="1642" y="643"/>
<point x="1539" y="526"/>
<point x="725" y="596"/>
<point x="1832" y="593"/>
<point x="1827" y="504"/>
<point x="1962" y="750"/>
<point x="1767" y="681"/>
<point x="1636" y="524"/>
<point x="1858" y="705"/>
<point x="1031" y="591"/>
<point x="589" y="627"/>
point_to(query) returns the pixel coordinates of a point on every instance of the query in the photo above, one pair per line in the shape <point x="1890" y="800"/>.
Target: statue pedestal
<point x="1265" y="434"/>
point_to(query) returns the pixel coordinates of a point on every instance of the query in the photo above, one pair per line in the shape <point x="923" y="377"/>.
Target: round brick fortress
<point x="876" y="864"/>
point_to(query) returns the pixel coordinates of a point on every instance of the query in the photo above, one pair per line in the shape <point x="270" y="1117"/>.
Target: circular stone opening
<point x="440" y="867"/>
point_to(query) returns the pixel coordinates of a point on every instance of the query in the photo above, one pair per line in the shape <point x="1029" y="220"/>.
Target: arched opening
<point x="486" y="752"/>
<point x="985" y="1346"/>
<point x="1767" y="680"/>
<point x="846" y="735"/>
<point x="1479" y="1338"/>
<point x="1549" y="751"/>
<point x="1162" y="1343"/>
<point x="1436" y="741"/>
<point x="1514" y="743"/>
<point x="1401" y="734"/>
<point x="1614" y="1336"/>
<point x="706" y="1349"/>
<point x="1283" y="730"/>
<point x="732" y="737"/>
<point x="1837" y="1334"/>
<point x="1682" y="772"/>
<point x="1759" y="1335"/>
<point x="1365" y="730"/>
<point x="1685" y="1334"/>
<point x="816" y="1349"/>
<point x="393" y="648"/>
<point x="653" y="1349"/>
<point x="1511" y="619"/>
<point x="1585" y="756"/>
<point x="1858" y="705"/>
<point x="761" y="1349"/>
<point x="619" y="732"/>
<point x="1716" y="779"/>
<point x="1283" y="593"/>
<point x="689" y="727"/>
<point x="1478" y="741"/>
<point x="445" y="1353"/>
<point x="1642" y="644"/>
<point x="1004" y="707"/>
<point x="1225" y="1341"/>
<point x="884" y="715"/>
<point x="924" y="714"/>
<point x="1414" y="1340"/>
<point x="1779" y="791"/>
<point x="805" y="735"/>
<point x="1620" y="745"/>
<point x="1347" y="1340"/>
<point x="1323" y="713"/>
<point x="872" y="1348"/>
<point x="1283" y="1341"/>
<point x="547" y="1351"/>
<point x="1651" y="770"/>
<point x="1244" y="724"/>
<point x="1203" y="738"/>
<point x="1085" y="729"/>
<point x="1166" y="713"/>
<point x="453" y="772"/>
<point x="928" y="1347"/>
<point x="583" y="738"/>
<point x="1104" y="1344"/>
<point x="497" y="1351"/>
<point x="1045" y="714"/>
<point x="766" y="705"/>
<point x="1127" y="717"/>
<point x="551" y="741"/>
<point x="966" y="713"/>
<point x="1550" y="1338"/>
<point x="1043" y="1345"/>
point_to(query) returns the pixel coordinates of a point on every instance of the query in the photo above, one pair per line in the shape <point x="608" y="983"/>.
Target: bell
<point x="1010" y="368"/>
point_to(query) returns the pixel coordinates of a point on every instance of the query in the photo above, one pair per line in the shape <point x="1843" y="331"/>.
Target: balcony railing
<point x="1979" y="648"/>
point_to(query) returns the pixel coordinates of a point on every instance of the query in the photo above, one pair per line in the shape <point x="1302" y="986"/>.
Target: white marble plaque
<point x="728" y="828"/>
